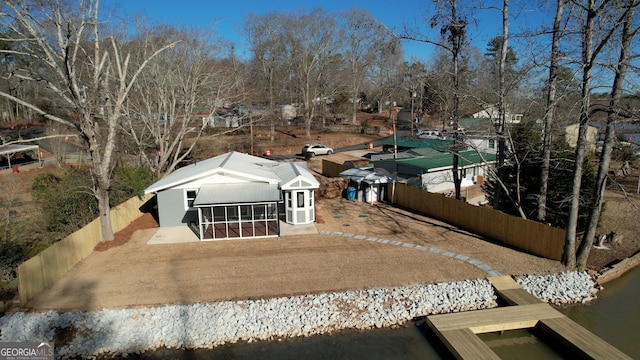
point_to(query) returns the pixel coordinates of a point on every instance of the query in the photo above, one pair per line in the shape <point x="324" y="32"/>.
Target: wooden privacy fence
<point x="530" y="236"/>
<point x="332" y="169"/>
<point x="42" y="270"/>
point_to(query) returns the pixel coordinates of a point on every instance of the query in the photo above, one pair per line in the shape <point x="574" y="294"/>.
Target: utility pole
<point x="251" y="130"/>
<point x="395" y="140"/>
<point x="413" y="96"/>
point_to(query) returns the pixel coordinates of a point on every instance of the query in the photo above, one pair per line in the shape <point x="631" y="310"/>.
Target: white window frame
<point x="187" y="198"/>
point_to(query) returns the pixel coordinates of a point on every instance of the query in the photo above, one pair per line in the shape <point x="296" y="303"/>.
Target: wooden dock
<point x="458" y="331"/>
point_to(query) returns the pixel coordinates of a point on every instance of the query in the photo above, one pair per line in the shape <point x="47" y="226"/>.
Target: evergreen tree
<point x="522" y="176"/>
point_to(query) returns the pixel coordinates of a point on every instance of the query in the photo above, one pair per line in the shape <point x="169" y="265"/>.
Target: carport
<point x="9" y="150"/>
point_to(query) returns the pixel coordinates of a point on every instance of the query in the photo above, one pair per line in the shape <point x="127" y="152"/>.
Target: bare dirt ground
<point x="137" y="274"/>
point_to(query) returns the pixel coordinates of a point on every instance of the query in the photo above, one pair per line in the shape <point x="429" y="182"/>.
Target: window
<point x="492" y="143"/>
<point x="206" y="214"/>
<point x="246" y="212"/>
<point x="300" y="196"/>
<point x="190" y="196"/>
<point x="272" y="211"/>
<point x="232" y="213"/>
<point x="219" y="214"/>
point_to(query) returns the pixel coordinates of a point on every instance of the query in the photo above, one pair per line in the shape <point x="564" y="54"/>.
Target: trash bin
<point x="351" y="193"/>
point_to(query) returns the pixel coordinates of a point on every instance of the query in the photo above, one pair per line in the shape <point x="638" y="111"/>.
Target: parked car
<point x="316" y="149"/>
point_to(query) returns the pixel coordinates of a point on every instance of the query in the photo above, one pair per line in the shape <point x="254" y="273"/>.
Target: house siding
<point x="172" y="214"/>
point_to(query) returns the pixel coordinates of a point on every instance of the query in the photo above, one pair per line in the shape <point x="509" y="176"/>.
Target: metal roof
<point x="218" y="194"/>
<point x="12" y="149"/>
<point x="444" y="160"/>
<point x="252" y="169"/>
<point x="407" y="142"/>
<point x="289" y="172"/>
<point x="365" y="175"/>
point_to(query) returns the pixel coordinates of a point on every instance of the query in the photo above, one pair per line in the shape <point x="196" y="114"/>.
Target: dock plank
<point x="518" y="297"/>
<point x="509" y="290"/>
<point x="504" y="282"/>
<point x="464" y="344"/>
<point x="497" y="319"/>
<point x="580" y="340"/>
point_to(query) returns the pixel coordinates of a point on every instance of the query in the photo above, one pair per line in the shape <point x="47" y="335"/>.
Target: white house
<point x="236" y="195"/>
<point x="433" y="172"/>
<point x="492" y="112"/>
<point x="571" y="136"/>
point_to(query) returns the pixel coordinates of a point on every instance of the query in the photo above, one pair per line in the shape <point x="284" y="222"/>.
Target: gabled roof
<point x="443" y="160"/>
<point x="234" y="164"/>
<point x="295" y="175"/>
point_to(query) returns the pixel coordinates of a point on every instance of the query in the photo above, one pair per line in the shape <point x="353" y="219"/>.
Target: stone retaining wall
<point x="126" y="331"/>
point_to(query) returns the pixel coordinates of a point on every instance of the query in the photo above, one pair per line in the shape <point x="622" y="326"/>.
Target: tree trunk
<point x="502" y="144"/>
<point x="457" y="38"/>
<point x="569" y="254"/>
<point x="589" y="54"/>
<point x="549" y="114"/>
<point x="104" y="209"/>
<point x="605" y="157"/>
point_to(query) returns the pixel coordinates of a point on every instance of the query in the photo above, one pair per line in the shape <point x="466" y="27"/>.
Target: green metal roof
<point x="406" y="142"/>
<point x="443" y="160"/>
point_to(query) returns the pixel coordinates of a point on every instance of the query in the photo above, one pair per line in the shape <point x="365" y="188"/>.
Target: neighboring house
<point x="571" y="136"/>
<point x="404" y="154"/>
<point x="479" y="134"/>
<point x="407" y="143"/>
<point x="288" y="112"/>
<point x="481" y="142"/>
<point x="434" y="172"/>
<point x="235" y="195"/>
<point x="221" y="118"/>
<point x="492" y="112"/>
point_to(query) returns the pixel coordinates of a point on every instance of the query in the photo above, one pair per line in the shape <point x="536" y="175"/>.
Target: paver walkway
<point x="479" y="264"/>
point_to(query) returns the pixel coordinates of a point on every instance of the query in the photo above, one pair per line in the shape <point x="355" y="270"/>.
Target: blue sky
<point x="226" y="17"/>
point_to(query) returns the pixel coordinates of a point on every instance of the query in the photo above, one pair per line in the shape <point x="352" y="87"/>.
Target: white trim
<point x="186" y="198"/>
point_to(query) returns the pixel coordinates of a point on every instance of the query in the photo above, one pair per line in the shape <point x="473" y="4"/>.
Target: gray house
<point x="236" y="195"/>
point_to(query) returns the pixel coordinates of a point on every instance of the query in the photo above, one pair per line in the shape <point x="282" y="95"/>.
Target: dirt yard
<point x="137" y="274"/>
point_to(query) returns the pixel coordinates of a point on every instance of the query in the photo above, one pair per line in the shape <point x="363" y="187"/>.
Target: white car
<point x="316" y="149"/>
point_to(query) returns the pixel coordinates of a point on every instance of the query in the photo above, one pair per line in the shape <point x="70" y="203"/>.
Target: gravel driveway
<point x="420" y="250"/>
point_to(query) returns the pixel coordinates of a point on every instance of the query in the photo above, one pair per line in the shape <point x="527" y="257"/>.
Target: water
<point x="613" y="317"/>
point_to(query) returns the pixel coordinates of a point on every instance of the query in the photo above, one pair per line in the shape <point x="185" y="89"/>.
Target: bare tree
<point x="309" y="39"/>
<point x="591" y="48"/>
<point x="264" y="34"/>
<point x="383" y="77"/>
<point x="170" y="90"/>
<point x="86" y="72"/>
<point x="549" y="114"/>
<point x="364" y="37"/>
<point x="453" y="29"/>
<point x="629" y="32"/>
